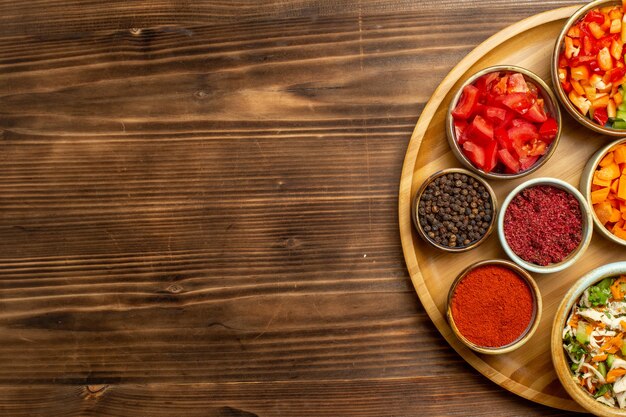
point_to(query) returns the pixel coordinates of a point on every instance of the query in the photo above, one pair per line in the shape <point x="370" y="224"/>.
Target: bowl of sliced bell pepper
<point x="588" y="67"/>
<point x="504" y="122"/>
<point x="603" y="183"/>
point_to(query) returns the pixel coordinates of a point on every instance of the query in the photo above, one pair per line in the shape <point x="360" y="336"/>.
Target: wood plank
<point x="383" y="397"/>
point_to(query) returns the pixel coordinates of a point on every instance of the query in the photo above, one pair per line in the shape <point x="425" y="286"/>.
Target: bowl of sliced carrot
<point x="603" y="183"/>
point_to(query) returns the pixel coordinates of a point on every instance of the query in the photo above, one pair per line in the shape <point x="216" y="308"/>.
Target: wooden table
<point x="198" y="208"/>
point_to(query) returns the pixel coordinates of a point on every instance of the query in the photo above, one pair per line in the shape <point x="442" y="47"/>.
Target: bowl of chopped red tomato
<point x="504" y="122"/>
<point x="588" y="67"/>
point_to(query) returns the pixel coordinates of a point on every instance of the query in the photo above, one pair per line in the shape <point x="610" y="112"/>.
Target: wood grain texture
<point x="198" y="208"/>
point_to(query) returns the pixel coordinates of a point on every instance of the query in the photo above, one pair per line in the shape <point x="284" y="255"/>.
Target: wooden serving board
<point x="528" y="371"/>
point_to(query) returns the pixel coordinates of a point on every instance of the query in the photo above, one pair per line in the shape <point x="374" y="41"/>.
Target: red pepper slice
<point x="594" y="16"/>
<point x="601" y="116"/>
<point x="581" y="60"/>
<point x="590" y="46"/>
<point x="617" y="74"/>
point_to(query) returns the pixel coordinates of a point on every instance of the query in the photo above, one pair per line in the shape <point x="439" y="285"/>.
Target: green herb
<point x="599" y="293"/>
<point x="603" y="390"/>
<point x="576" y="349"/>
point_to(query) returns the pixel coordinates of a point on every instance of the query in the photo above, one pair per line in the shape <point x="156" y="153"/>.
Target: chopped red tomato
<point x="494" y="114"/>
<point x="459" y="126"/>
<point x="548" y="130"/>
<point x="536" y="114"/>
<point x="491" y="156"/>
<point x="518" y="102"/>
<point x="537" y="148"/>
<point x="511" y="164"/>
<point x="517" y="84"/>
<point x="475" y="153"/>
<point x="526" y="162"/>
<point x="483" y="83"/>
<point x="482" y="129"/>
<point x="523" y="133"/>
<point x="501" y="86"/>
<point x="467" y="103"/>
<point x="501" y="135"/>
<point x="497" y="123"/>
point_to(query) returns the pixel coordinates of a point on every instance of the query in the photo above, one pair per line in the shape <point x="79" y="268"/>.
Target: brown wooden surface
<point x="198" y="208"/>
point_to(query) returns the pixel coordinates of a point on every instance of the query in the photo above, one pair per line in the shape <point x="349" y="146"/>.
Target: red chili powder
<point x="543" y="224"/>
<point x="492" y="306"/>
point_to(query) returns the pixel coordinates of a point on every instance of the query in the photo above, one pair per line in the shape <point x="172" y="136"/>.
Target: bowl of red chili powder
<point x="483" y="314"/>
<point x="545" y="225"/>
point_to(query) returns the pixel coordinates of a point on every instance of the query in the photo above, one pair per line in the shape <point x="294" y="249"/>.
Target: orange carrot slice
<point x="614" y="374"/>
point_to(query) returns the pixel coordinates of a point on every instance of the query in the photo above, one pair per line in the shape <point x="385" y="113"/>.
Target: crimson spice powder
<point x="543" y="224"/>
<point x="492" y="306"/>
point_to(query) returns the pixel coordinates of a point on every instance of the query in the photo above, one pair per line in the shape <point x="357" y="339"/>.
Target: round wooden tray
<point x="528" y="371"/>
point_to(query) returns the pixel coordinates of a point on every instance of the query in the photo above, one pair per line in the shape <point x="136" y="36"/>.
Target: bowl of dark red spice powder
<point x="494" y="306"/>
<point x="545" y="225"/>
<point x="454" y="210"/>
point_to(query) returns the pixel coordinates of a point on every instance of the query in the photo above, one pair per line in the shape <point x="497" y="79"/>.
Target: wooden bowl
<point x="415" y="215"/>
<point x="551" y="105"/>
<point x="585" y="187"/>
<point x="587" y="228"/>
<point x="559" y="358"/>
<point x="534" y="321"/>
<point x="560" y="93"/>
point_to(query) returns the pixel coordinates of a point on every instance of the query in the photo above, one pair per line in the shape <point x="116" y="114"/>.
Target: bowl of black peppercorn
<point x="454" y="210"/>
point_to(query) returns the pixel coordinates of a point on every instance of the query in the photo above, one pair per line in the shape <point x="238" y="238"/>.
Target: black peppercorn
<point x="455" y="210"/>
